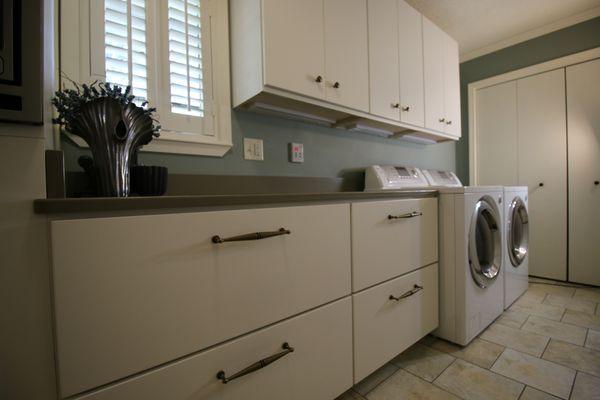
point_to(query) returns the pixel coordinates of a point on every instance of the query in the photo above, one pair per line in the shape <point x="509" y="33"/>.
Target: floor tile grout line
<point x="433" y="382"/>
<point x="497" y="358"/>
<point x="541" y="357"/>
<point x="573" y="384"/>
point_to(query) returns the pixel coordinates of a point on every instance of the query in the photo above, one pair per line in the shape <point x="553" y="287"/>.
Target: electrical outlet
<point x="296" y="151"/>
<point x="253" y="149"/>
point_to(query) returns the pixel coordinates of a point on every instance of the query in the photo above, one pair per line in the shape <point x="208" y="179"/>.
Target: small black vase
<point x="149" y="180"/>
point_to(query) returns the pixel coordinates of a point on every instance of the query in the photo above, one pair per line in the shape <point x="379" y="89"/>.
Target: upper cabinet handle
<point x="448" y="122"/>
<point x="414" y="290"/>
<point x="596" y="183"/>
<point x="406" y="108"/>
<point x="336" y="85"/>
<point x="319" y="79"/>
<point x="541" y="184"/>
<point x="407" y="215"/>
<point x="251" y="236"/>
<point x="442" y="119"/>
<point x="396" y="105"/>
<point x="260" y="364"/>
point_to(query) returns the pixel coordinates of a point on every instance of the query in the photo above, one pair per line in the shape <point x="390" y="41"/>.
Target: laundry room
<point x="299" y="199"/>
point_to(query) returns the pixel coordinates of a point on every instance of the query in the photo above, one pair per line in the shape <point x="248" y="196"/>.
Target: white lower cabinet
<point x="391" y="238"/>
<point x="392" y="316"/>
<point x="319" y="368"/>
<point x="131" y="293"/>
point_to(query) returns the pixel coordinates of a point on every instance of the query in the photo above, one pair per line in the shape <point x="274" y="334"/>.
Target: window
<point x="174" y="54"/>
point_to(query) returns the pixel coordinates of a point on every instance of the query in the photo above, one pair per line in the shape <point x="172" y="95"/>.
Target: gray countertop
<point x="137" y="204"/>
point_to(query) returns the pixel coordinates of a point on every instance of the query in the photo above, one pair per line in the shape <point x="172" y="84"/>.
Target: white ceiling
<point x="477" y="24"/>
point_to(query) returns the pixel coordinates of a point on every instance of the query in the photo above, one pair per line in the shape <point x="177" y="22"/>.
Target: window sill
<point x="197" y="147"/>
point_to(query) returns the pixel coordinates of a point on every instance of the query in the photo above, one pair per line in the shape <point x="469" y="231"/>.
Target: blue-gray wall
<point x="328" y="152"/>
<point x="570" y="40"/>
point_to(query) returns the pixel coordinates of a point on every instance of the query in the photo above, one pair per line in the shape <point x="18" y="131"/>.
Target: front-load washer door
<point x="485" y="249"/>
<point x="518" y="232"/>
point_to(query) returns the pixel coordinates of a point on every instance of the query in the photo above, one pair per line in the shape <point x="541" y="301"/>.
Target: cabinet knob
<point x="596" y="183"/>
<point x="448" y="122"/>
<point x="319" y="79"/>
<point x="396" y="105"/>
<point x="442" y="119"/>
<point x="406" y="108"/>
<point x="336" y="85"/>
<point x="541" y="184"/>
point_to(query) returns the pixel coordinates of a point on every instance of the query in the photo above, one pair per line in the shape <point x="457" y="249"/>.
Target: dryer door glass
<point x="518" y="232"/>
<point x="484" y="243"/>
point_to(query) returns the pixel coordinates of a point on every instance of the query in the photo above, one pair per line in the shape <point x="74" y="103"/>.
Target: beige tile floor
<point x="546" y="346"/>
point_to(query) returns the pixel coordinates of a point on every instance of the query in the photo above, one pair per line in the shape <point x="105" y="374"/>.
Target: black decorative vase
<point x="149" y="180"/>
<point x="114" y="133"/>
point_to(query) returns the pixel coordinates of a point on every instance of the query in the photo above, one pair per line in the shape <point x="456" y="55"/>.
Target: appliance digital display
<point x="402" y="171"/>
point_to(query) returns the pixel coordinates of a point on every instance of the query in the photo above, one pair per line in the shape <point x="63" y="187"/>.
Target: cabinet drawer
<point x="319" y="368"/>
<point x="383" y="248"/>
<point x="135" y="292"/>
<point x="384" y="327"/>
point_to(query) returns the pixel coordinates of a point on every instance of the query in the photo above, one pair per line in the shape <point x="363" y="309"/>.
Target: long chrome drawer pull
<point x="407" y="294"/>
<point x="407" y="215"/>
<point x="287" y="349"/>
<point x="251" y="236"/>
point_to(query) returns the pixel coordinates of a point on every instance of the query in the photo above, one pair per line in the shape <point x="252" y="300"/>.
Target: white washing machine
<point x="516" y="243"/>
<point x="470" y="257"/>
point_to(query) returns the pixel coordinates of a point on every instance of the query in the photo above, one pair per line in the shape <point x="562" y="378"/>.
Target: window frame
<point x="82" y="60"/>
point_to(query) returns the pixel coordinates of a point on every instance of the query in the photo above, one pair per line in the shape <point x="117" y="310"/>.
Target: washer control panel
<point x="441" y="178"/>
<point x="394" y="177"/>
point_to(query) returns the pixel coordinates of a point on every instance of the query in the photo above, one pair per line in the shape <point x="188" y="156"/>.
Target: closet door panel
<point x="583" y="108"/>
<point x="542" y="152"/>
<point x="496" y="142"/>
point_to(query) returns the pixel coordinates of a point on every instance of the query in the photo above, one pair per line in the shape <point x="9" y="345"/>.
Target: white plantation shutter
<point x="125" y="45"/>
<point x="185" y="57"/>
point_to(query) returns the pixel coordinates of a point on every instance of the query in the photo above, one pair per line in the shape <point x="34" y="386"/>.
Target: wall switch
<point x="296" y="152"/>
<point x="253" y="149"/>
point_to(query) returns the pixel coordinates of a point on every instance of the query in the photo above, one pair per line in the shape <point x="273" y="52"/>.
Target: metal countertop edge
<point x="103" y="204"/>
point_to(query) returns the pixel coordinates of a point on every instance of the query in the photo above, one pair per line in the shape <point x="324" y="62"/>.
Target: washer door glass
<point x="518" y="232"/>
<point x="484" y="243"/>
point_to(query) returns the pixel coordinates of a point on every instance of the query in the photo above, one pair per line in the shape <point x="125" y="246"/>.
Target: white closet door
<point x="542" y="152"/>
<point x="346" y="53"/>
<point x="583" y="107"/>
<point x="410" y="40"/>
<point x="294" y="46"/>
<point x="496" y="142"/>
<point x="383" y="58"/>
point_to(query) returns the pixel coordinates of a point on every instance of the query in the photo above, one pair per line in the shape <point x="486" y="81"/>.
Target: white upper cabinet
<point x="294" y="47"/>
<point x="410" y="41"/>
<point x="442" y="82"/>
<point x="433" y="58"/>
<point x="383" y="59"/>
<point x="451" y="87"/>
<point x="346" y="76"/>
<point x="369" y="65"/>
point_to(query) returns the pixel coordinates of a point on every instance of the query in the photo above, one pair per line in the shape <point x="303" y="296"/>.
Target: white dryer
<point x="516" y="243"/>
<point x="471" y="253"/>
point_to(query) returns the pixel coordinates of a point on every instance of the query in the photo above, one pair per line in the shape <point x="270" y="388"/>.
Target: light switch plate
<point x="253" y="149"/>
<point x="296" y="151"/>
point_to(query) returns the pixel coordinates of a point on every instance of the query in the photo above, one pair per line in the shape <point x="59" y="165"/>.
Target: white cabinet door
<point x="384" y="327"/>
<point x="496" y="140"/>
<point x="583" y="105"/>
<point x="433" y="58"/>
<point x="319" y="368"/>
<point x="410" y="41"/>
<point x="346" y="53"/>
<point x="293" y="37"/>
<point x="451" y="87"/>
<point x="383" y="59"/>
<point x="542" y="152"/>
<point x="153" y="288"/>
